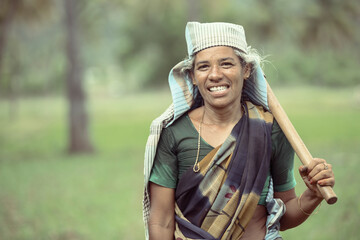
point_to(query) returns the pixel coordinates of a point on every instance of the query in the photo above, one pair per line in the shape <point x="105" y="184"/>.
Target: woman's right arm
<point x="162" y="212"/>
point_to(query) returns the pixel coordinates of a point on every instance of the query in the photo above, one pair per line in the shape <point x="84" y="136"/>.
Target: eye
<point x="227" y="64"/>
<point x="202" y="67"/>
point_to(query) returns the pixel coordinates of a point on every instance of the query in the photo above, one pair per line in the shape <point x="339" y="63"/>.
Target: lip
<point x="219" y="93"/>
<point x="218" y="85"/>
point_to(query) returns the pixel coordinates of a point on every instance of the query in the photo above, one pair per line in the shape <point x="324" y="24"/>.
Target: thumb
<point x="303" y="170"/>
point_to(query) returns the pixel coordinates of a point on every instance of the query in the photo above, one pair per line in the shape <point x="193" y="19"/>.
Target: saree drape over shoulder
<point x="219" y="201"/>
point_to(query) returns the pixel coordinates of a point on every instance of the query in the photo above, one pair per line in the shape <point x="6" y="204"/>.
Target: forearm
<point x="161" y="232"/>
<point x="294" y="216"/>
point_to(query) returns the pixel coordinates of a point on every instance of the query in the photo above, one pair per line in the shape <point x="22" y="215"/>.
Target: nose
<point x="215" y="73"/>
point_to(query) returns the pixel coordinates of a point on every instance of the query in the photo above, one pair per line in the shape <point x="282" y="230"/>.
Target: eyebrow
<point x="225" y="59"/>
<point x="201" y="62"/>
<point x="220" y="60"/>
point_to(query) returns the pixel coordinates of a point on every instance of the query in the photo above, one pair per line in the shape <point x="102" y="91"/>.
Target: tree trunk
<point x="5" y="24"/>
<point x="79" y="141"/>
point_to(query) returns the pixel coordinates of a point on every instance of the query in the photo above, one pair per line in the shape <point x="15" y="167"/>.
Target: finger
<point x="303" y="170"/>
<point x="304" y="175"/>
<point x="327" y="182"/>
<point x="317" y="174"/>
<point x="314" y="163"/>
<point x="321" y="166"/>
<point x="325" y="174"/>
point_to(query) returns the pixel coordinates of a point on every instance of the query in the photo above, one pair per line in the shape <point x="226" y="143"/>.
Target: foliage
<point x="129" y="45"/>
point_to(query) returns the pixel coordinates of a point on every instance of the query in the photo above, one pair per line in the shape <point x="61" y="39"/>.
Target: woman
<point x="222" y="168"/>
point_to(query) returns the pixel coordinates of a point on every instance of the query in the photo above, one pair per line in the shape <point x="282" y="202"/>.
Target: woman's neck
<point x="223" y="116"/>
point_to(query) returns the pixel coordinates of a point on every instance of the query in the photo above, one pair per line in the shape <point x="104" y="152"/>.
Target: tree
<point x="79" y="141"/>
<point x="10" y="11"/>
<point x="7" y="12"/>
<point x="330" y="23"/>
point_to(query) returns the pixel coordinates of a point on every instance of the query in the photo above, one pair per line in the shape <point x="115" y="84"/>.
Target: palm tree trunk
<point x="79" y="141"/>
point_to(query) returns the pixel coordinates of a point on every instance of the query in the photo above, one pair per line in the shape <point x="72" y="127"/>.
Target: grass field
<point x="46" y="194"/>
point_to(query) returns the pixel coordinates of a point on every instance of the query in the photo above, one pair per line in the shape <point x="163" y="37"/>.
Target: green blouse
<point x="177" y="149"/>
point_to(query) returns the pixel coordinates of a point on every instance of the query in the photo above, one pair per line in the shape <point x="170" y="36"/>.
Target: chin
<point x="220" y="105"/>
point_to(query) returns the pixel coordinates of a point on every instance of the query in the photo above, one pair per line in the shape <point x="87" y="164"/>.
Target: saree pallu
<point x="219" y="201"/>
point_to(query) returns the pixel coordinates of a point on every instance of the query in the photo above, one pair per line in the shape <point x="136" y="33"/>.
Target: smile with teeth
<point x="218" y="88"/>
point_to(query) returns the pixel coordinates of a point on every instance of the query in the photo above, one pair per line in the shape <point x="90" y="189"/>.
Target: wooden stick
<point x="295" y="141"/>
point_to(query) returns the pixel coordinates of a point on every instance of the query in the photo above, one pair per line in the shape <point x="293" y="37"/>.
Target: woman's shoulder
<point x="178" y="126"/>
<point x="185" y="120"/>
<point x="179" y="130"/>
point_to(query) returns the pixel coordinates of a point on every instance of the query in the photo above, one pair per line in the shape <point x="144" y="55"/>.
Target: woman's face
<point x="219" y="76"/>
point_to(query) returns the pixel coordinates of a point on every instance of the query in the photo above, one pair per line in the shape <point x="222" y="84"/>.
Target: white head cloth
<point x="200" y="36"/>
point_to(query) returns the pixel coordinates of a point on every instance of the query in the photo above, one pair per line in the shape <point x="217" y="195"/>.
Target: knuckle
<point x="319" y="160"/>
<point x="320" y="167"/>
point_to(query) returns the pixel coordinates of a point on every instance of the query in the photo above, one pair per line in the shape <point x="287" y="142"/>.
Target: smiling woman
<point x="217" y="165"/>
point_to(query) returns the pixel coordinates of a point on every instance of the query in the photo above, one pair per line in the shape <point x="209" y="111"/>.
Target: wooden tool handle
<point x="296" y="142"/>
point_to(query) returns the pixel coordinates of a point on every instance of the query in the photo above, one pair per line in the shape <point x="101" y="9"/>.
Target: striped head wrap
<point x="200" y="36"/>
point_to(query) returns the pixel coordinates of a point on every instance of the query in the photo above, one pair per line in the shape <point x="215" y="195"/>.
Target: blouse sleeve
<point x="165" y="170"/>
<point x="282" y="161"/>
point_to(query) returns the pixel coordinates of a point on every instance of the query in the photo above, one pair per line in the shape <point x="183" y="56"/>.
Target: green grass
<point x="46" y="194"/>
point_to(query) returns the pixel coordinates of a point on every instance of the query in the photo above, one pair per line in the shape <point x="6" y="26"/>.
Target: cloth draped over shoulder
<point x="219" y="201"/>
<point x="183" y="96"/>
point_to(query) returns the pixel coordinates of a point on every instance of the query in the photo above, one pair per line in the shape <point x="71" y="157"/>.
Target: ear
<point x="247" y="71"/>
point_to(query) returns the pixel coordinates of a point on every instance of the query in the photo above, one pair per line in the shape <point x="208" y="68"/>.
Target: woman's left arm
<point x="298" y="209"/>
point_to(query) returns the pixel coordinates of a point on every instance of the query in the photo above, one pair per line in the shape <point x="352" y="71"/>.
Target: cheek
<point x="197" y="79"/>
<point x="202" y="89"/>
<point x="239" y="80"/>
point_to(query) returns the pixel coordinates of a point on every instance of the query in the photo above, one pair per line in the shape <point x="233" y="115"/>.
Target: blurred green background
<point x="69" y="176"/>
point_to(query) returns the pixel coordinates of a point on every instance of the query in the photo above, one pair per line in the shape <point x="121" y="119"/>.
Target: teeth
<point x="218" y="89"/>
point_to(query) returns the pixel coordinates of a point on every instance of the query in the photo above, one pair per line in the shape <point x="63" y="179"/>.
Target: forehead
<point x="214" y="53"/>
